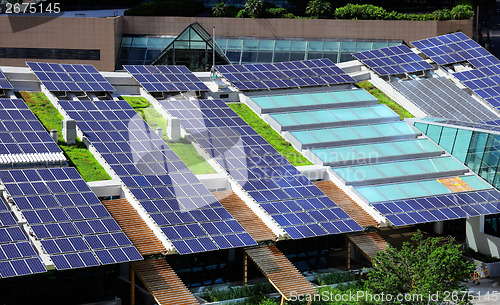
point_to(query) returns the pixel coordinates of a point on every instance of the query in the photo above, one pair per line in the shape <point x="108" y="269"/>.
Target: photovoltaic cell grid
<point x="315" y="72"/>
<point x="21" y="132"/>
<point x="166" y="78"/>
<point x="453" y="48"/>
<point x="73" y="226"/>
<point x="185" y="210"/>
<point x="441" y="98"/>
<point x="4" y="83"/>
<point x="439" y="208"/>
<point x="279" y="188"/>
<point x="393" y="60"/>
<point x="17" y="255"/>
<point x="67" y="77"/>
<point x="485" y="82"/>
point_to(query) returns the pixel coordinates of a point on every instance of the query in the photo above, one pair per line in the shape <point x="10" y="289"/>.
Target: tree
<point x="254" y="8"/>
<point x="430" y="267"/>
<point x="318" y="8"/>
<point x="219" y="9"/>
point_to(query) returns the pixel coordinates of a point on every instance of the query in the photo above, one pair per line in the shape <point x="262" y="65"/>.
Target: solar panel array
<point x="73" y="226"/>
<point x="453" y="48"/>
<point x="278" y="187"/>
<point x="67" y="77"/>
<point x="485" y="82"/>
<point x="17" y="255"/>
<point x="166" y="78"/>
<point x="393" y="60"/>
<point x="306" y="73"/>
<point x="184" y="209"/>
<point x="441" y="98"/>
<point x="4" y="83"/>
<point x="439" y="208"/>
<point x="22" y="133"/>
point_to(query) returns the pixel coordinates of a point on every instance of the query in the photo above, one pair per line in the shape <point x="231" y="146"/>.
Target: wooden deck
<point x="245" y="216"/>
<point x="369" y="244"/>
<point x="455" y="184"/>
<point x="346" y="203"/>
<point x="279" y="271"/>
<point x="163" y="283"/>
<point x="134" y="227"/>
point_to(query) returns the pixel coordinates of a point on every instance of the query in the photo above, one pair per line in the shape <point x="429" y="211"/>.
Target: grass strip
<point x="384" y="99"/>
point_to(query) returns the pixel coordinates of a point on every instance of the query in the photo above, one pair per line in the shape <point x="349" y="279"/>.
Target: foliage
<point x="78" y="155"/>
<point x="318" y="8"/>
<point x="185" y="150"/>
<point x="270" y="135"/>
<point x="259" y="290"/>
<point x="372" y="12"/>
<point x="425" y="267"/>
<point x="384" y="99"/>
<point x="219" y="9"/>
<point x="334" y="277"/>
<point x="254" y="8"/>
<point x="188" y="8"/>
<point x="462" y="12"/>
<point x="277" y="12"/>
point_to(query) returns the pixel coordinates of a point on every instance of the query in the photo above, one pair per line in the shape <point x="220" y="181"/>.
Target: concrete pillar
<point x="438" y="227"/>
<point x="53" y="135"/>
<point x="69" y="131"/>
<point x="159" y="132"/>
<point x="174" y="129"/>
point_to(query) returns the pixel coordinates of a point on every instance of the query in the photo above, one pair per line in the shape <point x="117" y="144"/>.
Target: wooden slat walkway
<point x="279" y="271"/>
<point x="368" y="243"/>
<point x="245" y="216"/>
<point x="163" y="283"/>
<point x="455" y="184"/>
<point x="346" y="203"/>
<point x="134" y="227"/>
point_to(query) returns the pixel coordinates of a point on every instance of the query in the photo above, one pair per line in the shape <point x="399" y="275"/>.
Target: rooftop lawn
<point x="184" y="149"/>
<point x="270" y="135"/>
<point x="384" y="99"/>
<point x="78" y="155"/>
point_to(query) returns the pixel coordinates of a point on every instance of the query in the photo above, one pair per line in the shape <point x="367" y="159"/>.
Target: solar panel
<point x="485" y="82"/>
<point x="440" y="98"/>
<point x="453" y="48"/>
<point x="439" y="208"/>
<point x="66" y="217"/>
<point x="182" y="207"/>
<point x="4" y="83"/>
<point x="68" y="77"/>
<point x="315" y="72"/>
<point x="23" y="139"/>
<point x="279" y="188"/>
<point x="393" y="60"/>
<point x="166" y="78"/>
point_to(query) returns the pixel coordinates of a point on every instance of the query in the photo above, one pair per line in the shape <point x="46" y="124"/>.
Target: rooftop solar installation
<point x="17" y="255"/>
<point x="485" y="82"/>
<point x="279" y="188"/>
<point x="4" y="83"/>
<point x="23" y="139"/>
<point x="68" y="77"/>
<point x="455" y="47"/>
<point x="182" y="207"/>
<point x="293" y="74"/>
<point x="442" y="205"/>
<point x="312" y="100"/>
<point x="68" y="219"/>
<point x="441" y="98"/>
<point x="393" y="60"/>
<point x="166" y="78"/>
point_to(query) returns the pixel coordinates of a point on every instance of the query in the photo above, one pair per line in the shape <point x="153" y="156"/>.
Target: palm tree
<point x="318" y="8"/>
<point x="219" y="9"/>
<point x="254" y="8"/>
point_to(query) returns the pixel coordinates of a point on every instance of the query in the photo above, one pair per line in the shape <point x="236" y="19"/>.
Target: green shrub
<point x="276" y="12"/>
<point x="259" y="290"/>
<point x="462" y="12"/>
<point x="334" y="277"/>
<point x="444" y="14"/>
